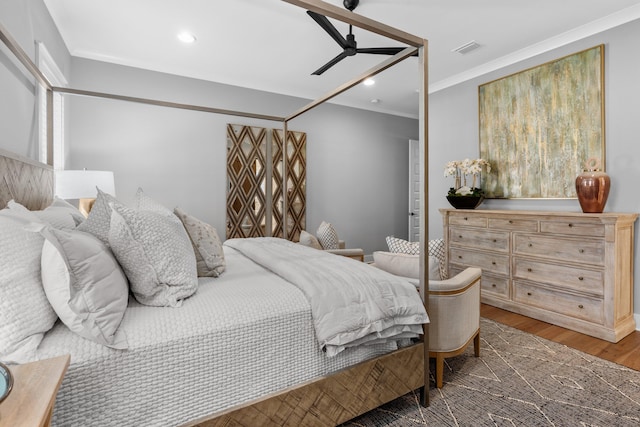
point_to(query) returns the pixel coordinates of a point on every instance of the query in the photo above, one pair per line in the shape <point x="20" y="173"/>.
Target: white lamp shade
<point x="81" y="184"/>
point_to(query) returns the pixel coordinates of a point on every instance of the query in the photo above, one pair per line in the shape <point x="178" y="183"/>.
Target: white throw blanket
<point x="352" y="303"/>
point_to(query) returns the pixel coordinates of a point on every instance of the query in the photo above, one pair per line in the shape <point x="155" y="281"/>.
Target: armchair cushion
<point x="405" y="265"/>
<point x="308" y="239"/>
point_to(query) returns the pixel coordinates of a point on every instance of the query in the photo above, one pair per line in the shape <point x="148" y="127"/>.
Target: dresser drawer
<point x="484" y="239"/>
<point x="563" y="276"/>
<point x="487" y="261"/>
<point x="579" y="307"/>
<point x="574" y="250"/>
<point x="457" y="218"/>
<point x="516" y="224"/>
<point x="495" y="285"/>
<point x="583" y="228"/>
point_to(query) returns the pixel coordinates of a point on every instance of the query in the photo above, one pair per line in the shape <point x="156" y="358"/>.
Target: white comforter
<point x="352" y="303"/>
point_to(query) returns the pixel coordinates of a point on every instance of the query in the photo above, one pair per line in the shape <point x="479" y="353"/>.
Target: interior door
<point x="414" y="190"/>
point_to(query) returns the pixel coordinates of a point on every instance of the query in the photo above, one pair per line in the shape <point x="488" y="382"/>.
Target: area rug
<point x="520" y="380"/>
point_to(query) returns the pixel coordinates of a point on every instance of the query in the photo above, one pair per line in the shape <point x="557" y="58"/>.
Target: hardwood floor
<point x="625" y="352"/>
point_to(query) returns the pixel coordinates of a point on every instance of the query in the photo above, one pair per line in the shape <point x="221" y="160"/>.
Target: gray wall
<point x="356" y="160"/>
<point x="453" y="131"/>
<point x="28" y="21"/>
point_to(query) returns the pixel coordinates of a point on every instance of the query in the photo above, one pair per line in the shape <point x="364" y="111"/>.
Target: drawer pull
<point x="580" y="306"/>
<point x="581" y="251"/>
<point x="465" y="218"/>
<point x="459" y="256"/>
<point x="495" y="240"/>
<point x="493" y="263"/>
<point x="530" y="244"/>
<point x="581" y="278"/>
<point x="529" y="270"/>
<point x="570" y="225"/>
<point x="529" y="293"/>
<point x="493" y="285"/>
<point x="510" y="222"/>
<point x="459" y="237"/>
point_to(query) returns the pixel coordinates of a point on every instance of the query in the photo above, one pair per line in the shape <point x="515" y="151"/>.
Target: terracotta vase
<point x="592" y="187"/>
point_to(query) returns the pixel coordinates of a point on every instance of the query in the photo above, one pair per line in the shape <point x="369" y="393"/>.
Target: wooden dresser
<point x="571" y="269"/>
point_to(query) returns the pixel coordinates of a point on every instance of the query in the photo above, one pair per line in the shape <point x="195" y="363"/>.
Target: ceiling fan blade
<point x="329" y="64"/>
<point x="329" y="28"/>
<point x="382" y="50"/>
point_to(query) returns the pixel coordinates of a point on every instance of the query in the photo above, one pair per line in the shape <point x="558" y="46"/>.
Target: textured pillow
<point x="327" y="236"/>
<point x="145" y="203"/>
<point x="85" y="285"/>
<point x="25" y="313"/>
<point x="59" y="214"/>
<point x="308" y="239"/>
<point x="403" y="246"/>
<point x="99" y="220"/>
<point x="156" y="255"/>
<point x="405" y="265"/>
<point x="206" y="245"/>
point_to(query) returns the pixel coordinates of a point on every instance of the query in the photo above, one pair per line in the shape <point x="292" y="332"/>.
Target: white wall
<point x="453" y="131"/>
<point x="356" y="160"/>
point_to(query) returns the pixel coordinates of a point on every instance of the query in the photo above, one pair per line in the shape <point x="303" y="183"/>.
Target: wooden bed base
<point x="333" y="399"/>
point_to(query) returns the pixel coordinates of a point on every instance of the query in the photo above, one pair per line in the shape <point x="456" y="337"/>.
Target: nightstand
<point x="35" y="386"/>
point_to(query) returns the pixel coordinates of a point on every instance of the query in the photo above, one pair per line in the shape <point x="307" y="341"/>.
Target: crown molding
<point x="610" y="21"/>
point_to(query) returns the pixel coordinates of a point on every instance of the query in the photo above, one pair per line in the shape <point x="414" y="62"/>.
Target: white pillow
<point x="402" y="246"/>
<point x="85" y="285"/>
<point x="156" y="255"/>
<point x="206" y="245"/>
<point x="308" y="239"/>
<point x="405" y="265"/>
<point x="99" y="220"/>
<point x="59" y="214"/>
<point x="327" y="236"/>
<point x="25" y="313"/>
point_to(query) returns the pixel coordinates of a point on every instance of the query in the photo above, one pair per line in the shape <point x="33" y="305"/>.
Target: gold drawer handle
<point x="581" y="278"/>
<point x="580" y="306"/>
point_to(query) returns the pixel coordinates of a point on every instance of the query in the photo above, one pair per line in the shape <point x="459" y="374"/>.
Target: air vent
<point x="467" y="47"/>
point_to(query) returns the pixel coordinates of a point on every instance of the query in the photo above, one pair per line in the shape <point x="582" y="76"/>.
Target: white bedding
<point x="184" y="363"/>
<point x="351" y="302"/>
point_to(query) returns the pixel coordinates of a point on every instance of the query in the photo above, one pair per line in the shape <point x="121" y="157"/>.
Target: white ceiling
<point x="273" y="46"/>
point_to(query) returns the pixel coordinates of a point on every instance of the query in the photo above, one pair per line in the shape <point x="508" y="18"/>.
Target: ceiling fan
<point x="349" y="45"/>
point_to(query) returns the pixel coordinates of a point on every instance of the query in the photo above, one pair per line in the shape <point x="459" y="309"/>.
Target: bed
<point x="242" y="349"/>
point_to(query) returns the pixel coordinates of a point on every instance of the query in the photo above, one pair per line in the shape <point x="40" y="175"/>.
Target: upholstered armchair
<point x="454" y="303"/>
<point x="327" y="239"/>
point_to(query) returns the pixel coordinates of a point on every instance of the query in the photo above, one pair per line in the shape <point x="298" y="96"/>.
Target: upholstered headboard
<point x="26" y="181"/>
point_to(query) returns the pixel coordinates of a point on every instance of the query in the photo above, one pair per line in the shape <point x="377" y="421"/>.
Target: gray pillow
<point x="206" y="245"/>
<point x="59" y="214"/>
<point x="85" y="285"/>
<point x="155" y="252"/>
<point x="25" y="313"/>
<point x="99" y="220"/>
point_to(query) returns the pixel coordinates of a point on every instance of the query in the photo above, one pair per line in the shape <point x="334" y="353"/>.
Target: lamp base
<point x="85" y="205"/>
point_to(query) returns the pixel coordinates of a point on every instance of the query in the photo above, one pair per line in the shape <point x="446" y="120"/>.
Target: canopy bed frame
<point x="328" y="400"/>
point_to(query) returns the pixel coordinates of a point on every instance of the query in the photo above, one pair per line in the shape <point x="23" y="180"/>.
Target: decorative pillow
<point x="85" y="285"/>
<point x="402" y="246"/>
<point x="59" y="214"/>
<point x="206" y="245"/>
<point x="99" y="220"/>
<point x="327" y="236"/>
<point x="405" y="265"/>
<point x="156" y="255"/>
<point x="308" y="239"/>
<point x="25" y="313"/>
<point x="436" y="249"/>
<point x="146" y="203"/>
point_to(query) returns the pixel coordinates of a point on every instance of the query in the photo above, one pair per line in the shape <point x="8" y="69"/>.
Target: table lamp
<point x="81" y="185"/>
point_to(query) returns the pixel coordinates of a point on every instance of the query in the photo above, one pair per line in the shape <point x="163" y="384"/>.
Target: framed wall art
<point x="539" y="126"/>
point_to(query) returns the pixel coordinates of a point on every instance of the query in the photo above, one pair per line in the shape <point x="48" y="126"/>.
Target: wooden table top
<point x="35" y="386"/>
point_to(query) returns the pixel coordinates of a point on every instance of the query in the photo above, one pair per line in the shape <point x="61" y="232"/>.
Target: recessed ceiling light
<point x="186" y="37"/>
<point x="467" y="47"/>
<point x="369" y="82"/>
<point x="375" y="101"/>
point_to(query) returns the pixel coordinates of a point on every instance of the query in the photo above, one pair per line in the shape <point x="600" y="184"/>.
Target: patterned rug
<point x="520" y="380"/>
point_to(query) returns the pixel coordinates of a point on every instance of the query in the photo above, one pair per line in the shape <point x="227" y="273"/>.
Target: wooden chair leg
<point x="439" y="369"/>
<point x="476" y="344"/>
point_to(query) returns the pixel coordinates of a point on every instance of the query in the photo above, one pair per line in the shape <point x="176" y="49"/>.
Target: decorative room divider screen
<point x="254" y="182"/>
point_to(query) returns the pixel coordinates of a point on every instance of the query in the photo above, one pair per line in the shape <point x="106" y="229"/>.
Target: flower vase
<point x="465" y="202"/>
<point x="592" y="187"/>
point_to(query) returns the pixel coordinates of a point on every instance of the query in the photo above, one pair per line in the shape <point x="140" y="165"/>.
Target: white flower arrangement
<point x="460" y="169"/>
